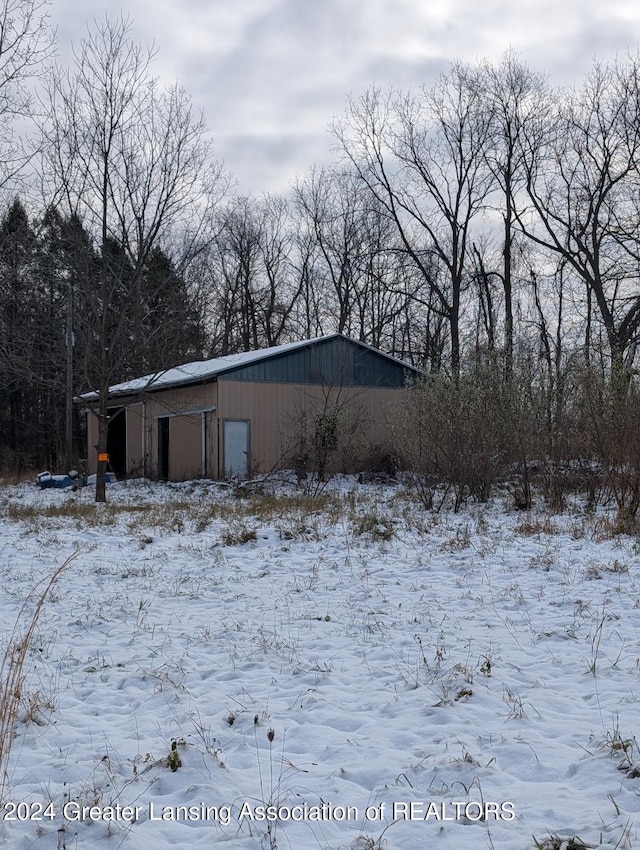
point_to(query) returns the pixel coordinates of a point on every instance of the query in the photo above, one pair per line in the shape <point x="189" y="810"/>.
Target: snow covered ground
<point x="379" y="675"/>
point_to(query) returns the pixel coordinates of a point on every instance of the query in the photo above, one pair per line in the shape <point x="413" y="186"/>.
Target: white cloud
<point x="271" y="74"/>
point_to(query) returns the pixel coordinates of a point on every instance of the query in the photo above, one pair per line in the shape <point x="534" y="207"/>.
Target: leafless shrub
<point x="611" y="420"/>
<point x="463" y="435"/>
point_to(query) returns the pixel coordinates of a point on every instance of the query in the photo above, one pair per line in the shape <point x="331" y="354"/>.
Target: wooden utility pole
<point x="68" y="430"/>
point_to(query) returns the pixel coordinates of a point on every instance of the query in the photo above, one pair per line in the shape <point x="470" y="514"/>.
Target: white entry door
<point x="236" y="448"/>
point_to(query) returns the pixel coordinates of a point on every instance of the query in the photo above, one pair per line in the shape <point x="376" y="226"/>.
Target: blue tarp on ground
<point x="46" y="480"/>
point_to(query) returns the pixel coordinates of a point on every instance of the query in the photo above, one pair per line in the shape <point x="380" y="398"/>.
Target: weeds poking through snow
<point x="366" y="842"/>
<point x="556" y="842"/>
<point x="623" y="748"/>
<point x="375" y="526"/>
<point x="596" y="640"/>
<point x="173" y="759"/>
<point x="486" y="666"/>
<point x="514" y="702"/>
<point x="238" y="533"/>
<point x="273" y="797"/>
<point x="536" y="526"/>
<point x="12" y="673"/>
<point x="333" y="628"/>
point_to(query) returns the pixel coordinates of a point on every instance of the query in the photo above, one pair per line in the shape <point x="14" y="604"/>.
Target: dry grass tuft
<point x="536" y="526"/>
<point x="10" y="477"/>
<point x="68" y="508"/>
<point x="373" y="525"/>
<point x="12" y="674"/>
<point x="238" y="533"/>
<point x="608" y="528"/>
<point x="87" y="512"/>
<point x="557" y="842"/>
<point x="272" y="506"/>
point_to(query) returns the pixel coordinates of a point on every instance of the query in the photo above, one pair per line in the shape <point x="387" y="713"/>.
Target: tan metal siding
<point x="185" y="405"/>
<point x="135" y="459"/>
<point x="181" y="400"/>
<point x="279" y="413"/>
<point x="185" y="429"/>
<point x="185" y="447"/>
<point x="211" y="435"/>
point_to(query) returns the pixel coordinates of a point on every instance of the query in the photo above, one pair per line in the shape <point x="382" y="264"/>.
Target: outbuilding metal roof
<point x="201" y="371"/>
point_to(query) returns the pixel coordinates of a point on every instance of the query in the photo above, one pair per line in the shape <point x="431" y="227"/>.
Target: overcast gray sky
<point x="271" y="74"/>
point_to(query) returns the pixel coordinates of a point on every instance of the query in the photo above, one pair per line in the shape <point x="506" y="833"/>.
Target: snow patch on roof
<point x="202" y="370"/>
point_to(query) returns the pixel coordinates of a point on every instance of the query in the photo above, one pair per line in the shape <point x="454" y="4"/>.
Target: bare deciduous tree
<point x="423" y="160"/>
<point x="516" y="100"/>
<point x="254" y="281"/>
<point x="583" y="187"/>
<point x="357" y="268"/>
<point x="133" y="162"/>
<point x="26" y="44"/>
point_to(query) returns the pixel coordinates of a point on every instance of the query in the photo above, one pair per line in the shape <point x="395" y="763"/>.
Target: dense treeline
<point x="484" y="228"/>
<point x="46" y="268"/>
